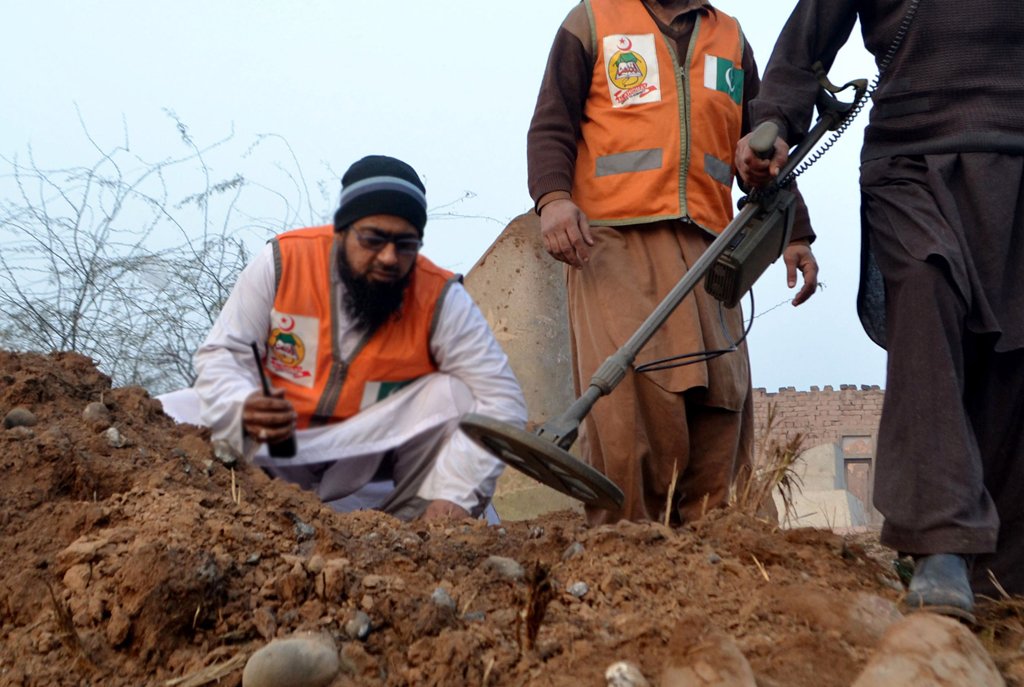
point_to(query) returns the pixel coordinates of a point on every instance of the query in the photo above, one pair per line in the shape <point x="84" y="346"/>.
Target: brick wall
<point x="821" y="415"/>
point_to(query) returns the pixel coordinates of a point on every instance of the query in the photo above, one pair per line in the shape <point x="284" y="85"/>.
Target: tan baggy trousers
<point x="697" y="419"/>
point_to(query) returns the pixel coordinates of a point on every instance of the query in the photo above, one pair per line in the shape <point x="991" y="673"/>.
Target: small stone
<point x="578" y="589"/>
<point x="505" y="567"/>
<point x="714" y="559"/>
<point x="225" y="452"/>
<point x="304" y="531"/>
<point x="929" y="650"/>
<point x="575" y="549"/>
<point x="358" y="626"/>
<point x="21" y="432"/>
<point x="98" y="415"/>
<point x="299" y="661"/>
<point x="115" y="438"/>
<point x="315" y="564"/>
<point x="20" y="417"/>
<point x="442" y="598"/>
<point x="625" y="674"/>
<point x="474" y="617"/>
<point x="253" y="559"/>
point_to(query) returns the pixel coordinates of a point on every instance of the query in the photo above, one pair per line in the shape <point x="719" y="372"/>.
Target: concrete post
<point x="521" y="291"/>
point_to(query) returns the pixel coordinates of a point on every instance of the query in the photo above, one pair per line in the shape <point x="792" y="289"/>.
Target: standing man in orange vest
<point x="630" y="167"/>
<point x="374" y="354"/>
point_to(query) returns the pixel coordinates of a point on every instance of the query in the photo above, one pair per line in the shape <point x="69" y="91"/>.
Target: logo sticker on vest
<point x="631" y="63"/>
<point x="721" y="75"/>
<point x="292" y="347"/>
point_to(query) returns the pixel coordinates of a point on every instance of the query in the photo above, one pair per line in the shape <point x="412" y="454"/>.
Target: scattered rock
<point x="625" y="674"/>
<point x="929" y="650"/>
<point x="575" y="549"/>
<point x="358" y="626"/>
<point x="298" y="661"/>
<point x="442" y="598"/>
<point x="504" y="567"/>
<point x="579" y="589"/>
<point x="115" y="438"/>
<point x="21" y="432"/>
<point x="97" y="415"/>
<point x="315" y="564"/>
<point x="20" y="417"/>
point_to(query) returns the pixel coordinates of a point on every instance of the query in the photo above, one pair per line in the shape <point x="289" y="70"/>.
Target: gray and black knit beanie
<point x="381" y="185"/>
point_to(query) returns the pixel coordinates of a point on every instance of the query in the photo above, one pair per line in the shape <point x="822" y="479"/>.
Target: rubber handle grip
<point x="762" y="139"/>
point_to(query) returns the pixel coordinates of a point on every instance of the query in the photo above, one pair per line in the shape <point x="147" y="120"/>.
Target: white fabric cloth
<point x="337" y="460"/>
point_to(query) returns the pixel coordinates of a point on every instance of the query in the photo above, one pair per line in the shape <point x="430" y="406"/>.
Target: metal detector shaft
<point x="563" y="429"/>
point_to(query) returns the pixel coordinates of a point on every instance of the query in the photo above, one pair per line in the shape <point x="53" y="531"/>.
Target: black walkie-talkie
<point x="286" y="447"/>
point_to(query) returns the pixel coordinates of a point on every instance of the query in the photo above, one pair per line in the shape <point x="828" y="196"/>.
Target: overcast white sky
<point x="448" y="86"/>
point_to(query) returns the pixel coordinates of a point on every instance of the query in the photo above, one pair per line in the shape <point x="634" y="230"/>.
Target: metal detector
<point x="754" y="239"/>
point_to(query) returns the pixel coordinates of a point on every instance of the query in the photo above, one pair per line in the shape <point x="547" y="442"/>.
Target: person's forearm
<point x="225" y="368"/>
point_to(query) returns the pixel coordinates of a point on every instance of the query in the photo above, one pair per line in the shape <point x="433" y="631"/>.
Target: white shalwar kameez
<point x="415" y="429"/>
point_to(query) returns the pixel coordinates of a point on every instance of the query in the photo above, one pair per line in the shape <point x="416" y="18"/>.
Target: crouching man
<point x="373" y="354"/>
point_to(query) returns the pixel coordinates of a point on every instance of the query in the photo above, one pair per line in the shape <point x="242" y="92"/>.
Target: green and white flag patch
<point x="720" y="75"/>
<point x="374" y="392"/>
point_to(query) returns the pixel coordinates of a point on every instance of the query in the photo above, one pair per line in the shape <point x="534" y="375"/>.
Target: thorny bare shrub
<point x="129" y="261"/>
<point x="774" y="469"/>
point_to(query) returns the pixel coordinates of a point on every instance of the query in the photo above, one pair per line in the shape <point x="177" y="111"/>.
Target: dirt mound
<point x="134" y="556"/>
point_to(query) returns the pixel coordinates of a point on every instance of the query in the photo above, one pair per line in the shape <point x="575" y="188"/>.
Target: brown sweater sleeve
<point x="802" y="229"/>
<point x="555" y="127"/>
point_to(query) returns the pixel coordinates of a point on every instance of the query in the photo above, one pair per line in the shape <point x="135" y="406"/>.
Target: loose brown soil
<point x="154" y="561"/>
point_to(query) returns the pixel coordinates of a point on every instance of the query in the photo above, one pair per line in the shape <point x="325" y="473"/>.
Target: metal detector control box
<point x="758" y="245"/>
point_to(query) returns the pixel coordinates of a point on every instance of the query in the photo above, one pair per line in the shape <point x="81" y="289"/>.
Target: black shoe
<point x="940" y="585"/>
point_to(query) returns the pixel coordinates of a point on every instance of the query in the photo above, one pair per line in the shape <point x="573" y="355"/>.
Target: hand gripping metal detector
<point x="754" y="239"/>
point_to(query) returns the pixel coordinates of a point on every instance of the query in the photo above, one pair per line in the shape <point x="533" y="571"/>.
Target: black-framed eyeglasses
<point x="404" y="245"/>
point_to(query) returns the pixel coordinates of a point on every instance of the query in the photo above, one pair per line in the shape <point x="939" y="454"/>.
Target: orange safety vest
<point x="657" y="140"/>
<point x="302" y="345"/>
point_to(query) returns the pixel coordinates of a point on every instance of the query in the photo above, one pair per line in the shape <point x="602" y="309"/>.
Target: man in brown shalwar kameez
<point x="630" y="166"/>
<point x="942" y="270"/>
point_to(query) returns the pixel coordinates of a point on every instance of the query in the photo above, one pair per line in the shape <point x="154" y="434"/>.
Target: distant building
<point x="839" y="428"/>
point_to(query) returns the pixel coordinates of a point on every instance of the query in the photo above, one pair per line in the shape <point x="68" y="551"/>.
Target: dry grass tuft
<point x="773" y="470"/>
<point x="66" y="631"/>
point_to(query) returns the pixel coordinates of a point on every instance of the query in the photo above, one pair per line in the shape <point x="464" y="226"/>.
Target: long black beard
<point x="370" y="304"/>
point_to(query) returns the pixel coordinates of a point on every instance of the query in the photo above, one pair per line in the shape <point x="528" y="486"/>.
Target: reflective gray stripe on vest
<point x="633" y="161"/>
<point x="718" y="170"/>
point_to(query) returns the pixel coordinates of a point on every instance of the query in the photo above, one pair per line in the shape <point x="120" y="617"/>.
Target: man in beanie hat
<point x="374" y="353"/>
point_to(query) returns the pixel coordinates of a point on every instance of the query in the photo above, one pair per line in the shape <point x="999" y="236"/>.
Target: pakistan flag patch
<point x="720" y="75"/>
